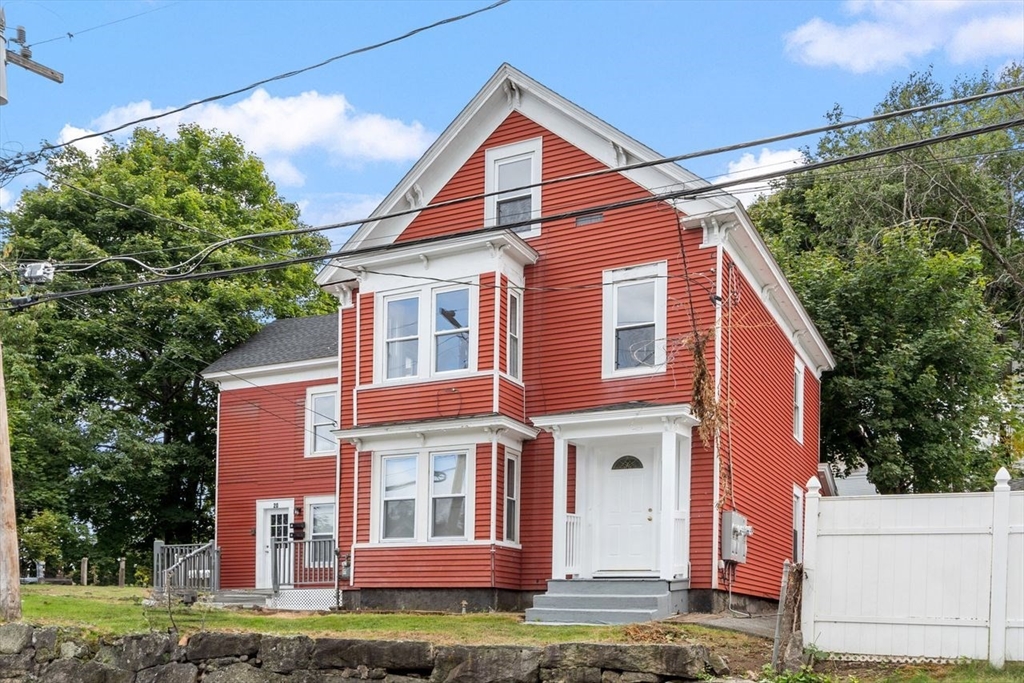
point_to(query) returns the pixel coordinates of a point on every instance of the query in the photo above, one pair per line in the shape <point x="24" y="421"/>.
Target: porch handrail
<point x="198" y="570"/>
<point x="573" y="536"/>
<point x="165" y="555"/>
<point x="309" y="562"/>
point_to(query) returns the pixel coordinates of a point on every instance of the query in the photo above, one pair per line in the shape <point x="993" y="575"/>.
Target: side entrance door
<point x="273" y="521"/>
<point x="627" y="512"/>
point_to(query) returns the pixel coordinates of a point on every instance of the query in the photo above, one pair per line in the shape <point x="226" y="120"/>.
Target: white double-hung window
<point x="512" y="498"/>
<point x="510" y="171"/>
<point x="321" y="519"/>
<point x="321" y="419"/>
<point x="424" y="496"/>
<point x="427" y="333"/>
<point x="514" y="349"/>
<point x="634" y="320"/>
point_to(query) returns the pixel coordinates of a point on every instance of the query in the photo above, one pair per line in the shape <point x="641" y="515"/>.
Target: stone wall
<point x="49" y="655"/>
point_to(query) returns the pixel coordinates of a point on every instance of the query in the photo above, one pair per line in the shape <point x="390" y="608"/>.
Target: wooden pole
<point x="10" y="588"/>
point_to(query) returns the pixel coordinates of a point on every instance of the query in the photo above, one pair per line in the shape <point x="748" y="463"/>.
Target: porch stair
<point x="246" y="597"/>
<point x="607" y="601"/>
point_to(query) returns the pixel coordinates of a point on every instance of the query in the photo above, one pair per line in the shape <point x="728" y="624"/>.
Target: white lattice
<point x="304" y="599"/>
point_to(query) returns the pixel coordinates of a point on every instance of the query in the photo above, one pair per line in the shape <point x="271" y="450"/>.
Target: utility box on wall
<point x="735" y="531"/>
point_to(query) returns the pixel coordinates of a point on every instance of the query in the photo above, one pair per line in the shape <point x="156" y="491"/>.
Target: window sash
<point x="511" y="499"/>
<point x="448" y="495"/>
<point x="323" y="408"/>
<point x="398" y="508"/>
<point x="512" y="362"/>
<point x="401" y="336"/>
<point x="798" y="401"/>
<point x="451" y="335"/>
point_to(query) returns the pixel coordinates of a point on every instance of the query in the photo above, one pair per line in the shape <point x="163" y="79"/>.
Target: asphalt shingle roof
<point x="284" y="341"/>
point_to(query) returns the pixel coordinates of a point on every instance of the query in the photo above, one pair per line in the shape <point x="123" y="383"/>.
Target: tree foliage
<point x="913" y="269"/>
<point x="111" y="423"/>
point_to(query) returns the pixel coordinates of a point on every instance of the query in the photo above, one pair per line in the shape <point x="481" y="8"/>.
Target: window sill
<point x="406" y="543"/>
<point x="635" y="372"/>
<point x="321" y="454"/>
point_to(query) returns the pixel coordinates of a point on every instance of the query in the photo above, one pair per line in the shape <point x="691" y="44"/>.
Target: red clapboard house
<point x="515" y="410"/>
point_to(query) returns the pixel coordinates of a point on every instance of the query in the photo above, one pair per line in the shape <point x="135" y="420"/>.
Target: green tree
<point x="913" y="269"/>
<point x="115" y="427"/>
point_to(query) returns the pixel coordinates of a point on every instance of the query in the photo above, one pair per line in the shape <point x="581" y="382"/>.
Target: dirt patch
<point x="744" y="653"/>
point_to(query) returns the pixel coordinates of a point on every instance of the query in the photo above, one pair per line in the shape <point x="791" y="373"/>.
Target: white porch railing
<point x="573" y="536"/>
<point x="300" y="564"/>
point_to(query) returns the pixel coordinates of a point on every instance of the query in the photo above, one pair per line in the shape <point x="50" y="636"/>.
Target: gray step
<point x="608" y="587"/>
<point x="543" y="615"/>
<point x="248" y="598"/>
<point x="620" y="602"/>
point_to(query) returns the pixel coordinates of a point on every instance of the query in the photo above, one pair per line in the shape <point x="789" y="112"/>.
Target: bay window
<point x="424" y="496"/>
<point x="427" y="332"/>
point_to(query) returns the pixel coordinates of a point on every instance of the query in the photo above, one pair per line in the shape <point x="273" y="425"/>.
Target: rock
<point x="486" y="664"/>
<point x="244" y="673"/>
<point x="44" y="640"/>
<point x="72" y="649"/>
<point x="683" y="661"/>
<point x="76" y="671"/>
<point x="637" y="677"/>
<point x="16" y="666"/>
<point x="396" y="656"/>
<point x="395" y="678"/>
<point x="284" y="655"/>
<point x="216" y="645"/>
<point x="135" y="653"/>
<point x="718" y="665"/>
<point x="169" y="673"/>
<point x="793" y="657"/>
<point x="577" y="674"/>
<point x="14" y="638"/>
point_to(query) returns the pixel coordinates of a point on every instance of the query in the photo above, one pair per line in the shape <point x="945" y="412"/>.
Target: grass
<point x="107" y="612"/>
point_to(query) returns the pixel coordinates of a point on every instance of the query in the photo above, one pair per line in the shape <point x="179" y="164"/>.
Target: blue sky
<point x="678" y="76"/>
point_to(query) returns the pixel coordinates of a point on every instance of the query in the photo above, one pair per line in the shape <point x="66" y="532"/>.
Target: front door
<point x="273" y="521"/>
<point x="626" y="531"/>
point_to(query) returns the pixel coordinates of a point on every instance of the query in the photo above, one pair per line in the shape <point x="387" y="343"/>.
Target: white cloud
<point x="748" y="165"/>
<point x="6" y="199"/>
<point x="284" y="126"/>
<point x="283" y="172"/>
<point x="92" y="146"/>
<point x="886" y="34"/>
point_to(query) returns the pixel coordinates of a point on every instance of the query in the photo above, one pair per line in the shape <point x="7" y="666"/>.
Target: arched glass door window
<point x="627" y="462"/>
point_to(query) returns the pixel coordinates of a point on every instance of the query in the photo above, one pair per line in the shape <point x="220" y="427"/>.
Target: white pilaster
<point x="666" y="518"/>
<point x="558" y="504"/>
<point x="811" y="503"/>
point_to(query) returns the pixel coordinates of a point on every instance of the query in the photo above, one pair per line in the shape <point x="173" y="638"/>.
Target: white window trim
<point x="493" y="158"/>
<point x="423" y="522"/>
<point x="512" y="455"/>
<point x="426" y="333"/>
<point x="307" y="516"/>
<point x="518" y="334"/>
<point x="310" y="420"/>
<point x="656" y="272"/>
<point x="798" y="399"/>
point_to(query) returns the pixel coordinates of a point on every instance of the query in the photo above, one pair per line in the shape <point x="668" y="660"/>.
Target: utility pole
<point x="10" y="587"/>
<point x="22" y="59"/>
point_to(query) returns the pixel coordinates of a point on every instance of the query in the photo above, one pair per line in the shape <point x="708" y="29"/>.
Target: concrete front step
<point x="607" y="601"/>
<point x="242" y="598"/>
<point x="542" y="615"/>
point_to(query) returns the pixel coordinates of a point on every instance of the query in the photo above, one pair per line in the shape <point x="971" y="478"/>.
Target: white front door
<point x="273" y="521"/>
<point x="626" y="509"/>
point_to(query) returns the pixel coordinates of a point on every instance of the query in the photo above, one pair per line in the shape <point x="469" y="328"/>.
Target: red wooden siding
<point x="363" y="521"/>
<point x="466" y="566"/>
<point x="365" y="313"/>
<point x="482" y="504"/>
<point x="260" y="457"/>
<point x="537" y="484"/>
<point x="499" y="528"/>
<point x="507" y="567"/>
<point x="502" y="294"/>
<point x="766" y="460"/>
<point x="485" y="326"/>
<point x="425" y="400"/>
<point x="512" y="399"/>
<point x="702" y="513"/>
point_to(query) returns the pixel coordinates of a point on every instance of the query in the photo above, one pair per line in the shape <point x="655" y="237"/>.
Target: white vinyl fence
<point x="916" y="576"/>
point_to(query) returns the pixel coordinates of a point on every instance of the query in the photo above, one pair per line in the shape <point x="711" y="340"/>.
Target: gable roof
<point x="506" y="91"/>
<point x="289" y="340"/>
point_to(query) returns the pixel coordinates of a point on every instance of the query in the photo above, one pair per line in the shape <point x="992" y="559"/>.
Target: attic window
<point x="510" y="171"/>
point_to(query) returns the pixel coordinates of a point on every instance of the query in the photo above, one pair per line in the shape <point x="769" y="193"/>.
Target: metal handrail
<point x="196" y="570"/>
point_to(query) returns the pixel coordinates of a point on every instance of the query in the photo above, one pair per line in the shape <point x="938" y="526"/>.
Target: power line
<point x="69" y="34"/>
<point x="32" y="157"/>
<point x="23" y="302"/>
